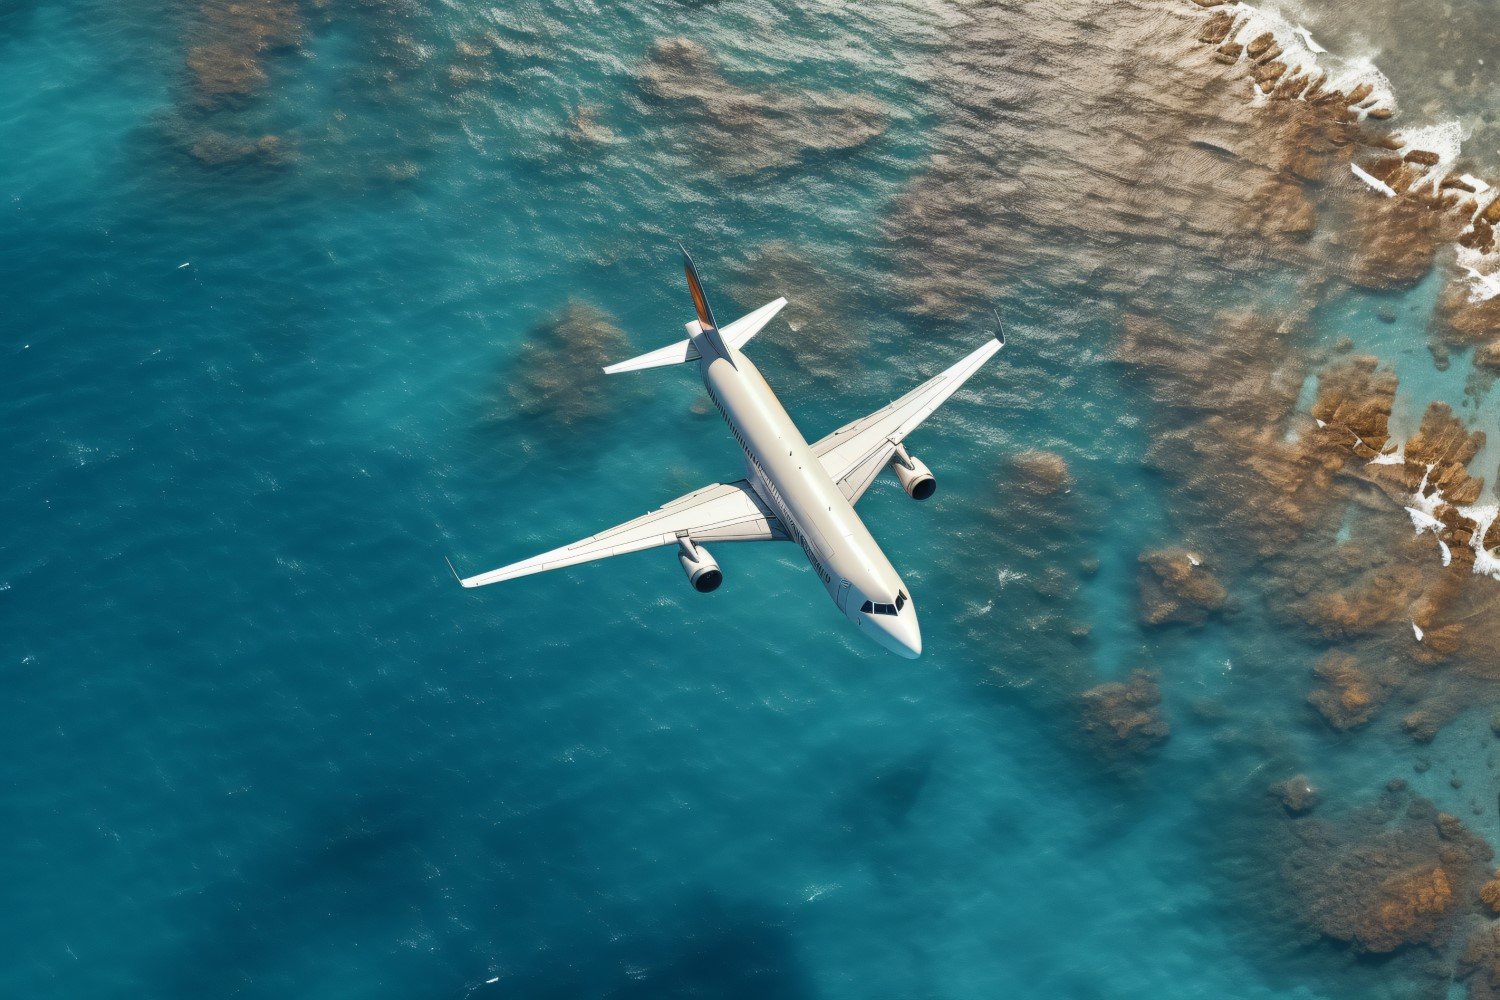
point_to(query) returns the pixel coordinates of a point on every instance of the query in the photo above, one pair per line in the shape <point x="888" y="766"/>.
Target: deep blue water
<point x="256" y="743"/>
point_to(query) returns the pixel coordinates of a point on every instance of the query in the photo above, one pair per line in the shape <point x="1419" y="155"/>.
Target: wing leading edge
<point x="724" y="512"/>
<point x="854" y="454"/>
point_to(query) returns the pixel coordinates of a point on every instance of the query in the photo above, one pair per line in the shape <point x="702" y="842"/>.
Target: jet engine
<point x="916" y="479"/>
<point x="701" y="568"/>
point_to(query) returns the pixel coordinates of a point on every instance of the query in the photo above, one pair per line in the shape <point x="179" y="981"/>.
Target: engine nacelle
<point x="701" y="568"/>
<point x="916" y="479"/>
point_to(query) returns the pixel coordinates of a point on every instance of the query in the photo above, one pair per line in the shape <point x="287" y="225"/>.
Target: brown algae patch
<point x="558" y="374"/>
<point x="766" y="129"/>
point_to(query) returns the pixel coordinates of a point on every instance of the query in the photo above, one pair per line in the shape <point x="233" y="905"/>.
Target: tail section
<point x="735" y="335"/>
<point x="707" y="327"/>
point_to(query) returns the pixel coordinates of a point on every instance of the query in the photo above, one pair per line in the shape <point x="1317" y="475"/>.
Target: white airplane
<point x="792" y="491"/>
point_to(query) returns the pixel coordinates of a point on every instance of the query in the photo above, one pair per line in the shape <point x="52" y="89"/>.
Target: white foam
<point x="1423" y="521"/>
<point x="1486" y="563"/>
<point x="1483" y="285"/>
<point x="1445" y="139"/>
<point x="1474" y="182"/>
<point x="1307" y="39"/>
<point x="1303" y="55"/>
<point x="1388" y="458"/>
<point x="1416" y="630"/>
<point x="1374" y="182"/>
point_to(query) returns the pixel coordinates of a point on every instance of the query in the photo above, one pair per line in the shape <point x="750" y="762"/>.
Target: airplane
<point x="806" y="495"/>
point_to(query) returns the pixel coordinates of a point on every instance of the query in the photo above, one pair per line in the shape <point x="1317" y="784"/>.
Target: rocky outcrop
<point x="1176" y="588"/>
<point x="1126" y="717"/>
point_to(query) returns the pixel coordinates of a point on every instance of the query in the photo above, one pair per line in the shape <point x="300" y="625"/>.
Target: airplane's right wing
<point x="724" y="512"/>
<point x="854" y="454"/>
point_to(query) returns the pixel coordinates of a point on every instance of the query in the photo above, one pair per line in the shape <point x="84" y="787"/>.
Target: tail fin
<point x="695" y="287"/>
<point x="706" y="321"/>
<point x="706" y="328"/>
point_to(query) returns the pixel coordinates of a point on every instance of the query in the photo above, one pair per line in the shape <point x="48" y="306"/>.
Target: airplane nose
<point x="908" y="634"/>
<point x="899" y="633"/>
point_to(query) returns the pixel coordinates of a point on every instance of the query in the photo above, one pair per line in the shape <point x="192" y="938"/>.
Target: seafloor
<point x="302" y="295"/>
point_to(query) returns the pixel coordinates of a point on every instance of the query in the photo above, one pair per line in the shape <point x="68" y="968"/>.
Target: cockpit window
<point x="900" y="599"/>
<point x="871" y="608"/>
<point x="868" y="607"/>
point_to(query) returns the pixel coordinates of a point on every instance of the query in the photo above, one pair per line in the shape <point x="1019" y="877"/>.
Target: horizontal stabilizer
<point x="738" y="333"/>
<point x="673" y="354"/>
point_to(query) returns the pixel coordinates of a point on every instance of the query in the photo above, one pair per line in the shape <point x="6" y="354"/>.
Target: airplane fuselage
<point x="791" y="481"/>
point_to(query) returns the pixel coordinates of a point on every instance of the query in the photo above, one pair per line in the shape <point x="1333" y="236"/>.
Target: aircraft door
<point x="843" y="596"/>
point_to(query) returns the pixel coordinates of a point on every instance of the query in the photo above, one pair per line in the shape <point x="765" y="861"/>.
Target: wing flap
<point x="724" y="512"/>
<point x="854" y="454"/>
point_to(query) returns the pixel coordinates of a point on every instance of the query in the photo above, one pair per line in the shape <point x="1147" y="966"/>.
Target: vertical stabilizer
<point x="705" y="311"/>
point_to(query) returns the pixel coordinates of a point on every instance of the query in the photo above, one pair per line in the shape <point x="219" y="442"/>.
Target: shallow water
<point x="258" y="744"/>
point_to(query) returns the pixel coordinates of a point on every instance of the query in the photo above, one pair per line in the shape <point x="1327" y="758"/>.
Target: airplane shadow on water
<point x="698" y="946"/>
<point x="358" y="877"/>
<point x="348" y="871"/>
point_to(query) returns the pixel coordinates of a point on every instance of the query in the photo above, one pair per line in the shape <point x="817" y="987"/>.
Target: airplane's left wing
<point x="854" y="454"/>
<point x="724" y="512"/>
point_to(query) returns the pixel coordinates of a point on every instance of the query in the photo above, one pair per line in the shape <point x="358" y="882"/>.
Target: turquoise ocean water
<point x="256" y="743"/>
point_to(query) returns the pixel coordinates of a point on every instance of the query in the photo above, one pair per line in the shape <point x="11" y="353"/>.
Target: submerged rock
<point x="216" y="149"/>
<point x="1297" y="794"/>
<point x="558" y="375"/>
<point x="1385" y="884"/>
<point x="1489" y="894"/>
<point x="1175" y="587"/>
<point x="1041" y="472"/>
<point x="1126" y="717"/>
<point x="1350" y="695"/>
<point x="1479" y="966"/>
<point x="232" y="38"/>
<point x="766" y="129"/>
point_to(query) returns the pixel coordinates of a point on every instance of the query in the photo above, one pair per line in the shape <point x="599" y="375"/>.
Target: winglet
<point x="454" y="572"/>
<point x="999" y="327"/>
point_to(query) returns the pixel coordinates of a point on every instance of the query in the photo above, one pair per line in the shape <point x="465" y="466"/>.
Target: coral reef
<point x="1296" y="794"/>
<point x="819" y="311"/>
<point x="1126" y="717"/>
<point x="1041" y="472"/>
<point x="1350" y="695"/>
<point x="557" y="377"/>
<point x="226" y="59"/>
<point x="1489" y="894"/>
<point x="1389" y="879"/>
